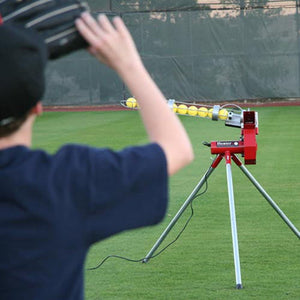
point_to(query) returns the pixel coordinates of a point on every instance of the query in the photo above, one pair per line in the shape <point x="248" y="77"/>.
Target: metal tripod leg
<point x="183" y="207"/>
<point x="235" y="243"/>
<point x="266" y="196"/>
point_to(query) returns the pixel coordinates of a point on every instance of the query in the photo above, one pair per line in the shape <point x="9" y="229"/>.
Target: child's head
<point x="23" y="58"/>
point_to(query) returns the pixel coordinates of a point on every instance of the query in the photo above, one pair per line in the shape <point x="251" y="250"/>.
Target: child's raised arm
<point x="113" y="45"/>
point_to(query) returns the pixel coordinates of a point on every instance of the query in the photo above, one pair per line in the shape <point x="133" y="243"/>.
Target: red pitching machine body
<point x="247" y="145"/>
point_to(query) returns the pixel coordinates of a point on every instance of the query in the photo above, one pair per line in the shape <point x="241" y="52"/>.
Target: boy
<point x="54" y="207"/>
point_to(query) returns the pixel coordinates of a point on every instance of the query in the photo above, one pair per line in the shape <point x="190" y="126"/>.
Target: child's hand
<point x="110" y="42"/>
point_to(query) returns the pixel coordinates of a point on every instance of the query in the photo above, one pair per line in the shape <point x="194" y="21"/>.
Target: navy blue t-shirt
<point x="53" y="207"/>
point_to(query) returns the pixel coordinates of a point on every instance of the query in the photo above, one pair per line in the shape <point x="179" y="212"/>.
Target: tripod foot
<point x="239" y="286"/>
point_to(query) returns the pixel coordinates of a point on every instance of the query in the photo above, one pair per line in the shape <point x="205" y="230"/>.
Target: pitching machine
<point x="246" y="146"/>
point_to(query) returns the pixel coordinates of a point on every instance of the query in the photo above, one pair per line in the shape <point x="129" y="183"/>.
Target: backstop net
<point x="196" y="50"/>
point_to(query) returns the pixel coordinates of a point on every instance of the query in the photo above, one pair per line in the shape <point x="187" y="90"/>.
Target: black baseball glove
<point x="54" y="20"/>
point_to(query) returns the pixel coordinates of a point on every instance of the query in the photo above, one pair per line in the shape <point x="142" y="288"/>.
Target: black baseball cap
<point x="23" y="58"/>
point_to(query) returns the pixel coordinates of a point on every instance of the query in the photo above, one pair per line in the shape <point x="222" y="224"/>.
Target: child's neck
<point x="23" y="136"/>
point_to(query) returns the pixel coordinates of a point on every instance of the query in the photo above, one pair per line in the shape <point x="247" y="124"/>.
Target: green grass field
<point x="199" y="265"/>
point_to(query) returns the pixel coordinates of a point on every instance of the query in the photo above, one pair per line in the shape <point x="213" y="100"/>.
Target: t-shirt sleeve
<point x="127" y="189"/>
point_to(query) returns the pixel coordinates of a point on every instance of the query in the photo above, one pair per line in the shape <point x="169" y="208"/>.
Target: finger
<point x="85" y="31"/>
<point x="121" y="27"/>
<point x="105" y="23"/>
<point x="92" y="24"/>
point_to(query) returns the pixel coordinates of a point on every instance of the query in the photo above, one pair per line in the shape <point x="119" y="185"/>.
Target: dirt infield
<point x="118" y="107"/>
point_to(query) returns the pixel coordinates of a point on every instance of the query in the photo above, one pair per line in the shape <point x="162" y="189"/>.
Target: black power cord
<point x="163" y="249"/>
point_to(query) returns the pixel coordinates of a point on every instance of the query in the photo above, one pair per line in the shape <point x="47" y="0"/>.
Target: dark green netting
<point x="196" y="51"/>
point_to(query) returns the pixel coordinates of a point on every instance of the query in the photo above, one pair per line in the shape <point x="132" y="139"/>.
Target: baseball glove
<point x="54" y="20"/>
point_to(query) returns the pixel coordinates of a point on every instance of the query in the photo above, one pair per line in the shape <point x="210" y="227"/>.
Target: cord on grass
<point x="163" y="249"/>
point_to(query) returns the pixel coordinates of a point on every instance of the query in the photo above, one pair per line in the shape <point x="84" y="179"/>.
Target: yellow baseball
<point x="182" y="109"/>
<point x="202" y="112"/>
<point x="223" y="114"/>
<point x="193" y="110"/>
<point x="174" y="108"/>
<point x="131" y="102"/>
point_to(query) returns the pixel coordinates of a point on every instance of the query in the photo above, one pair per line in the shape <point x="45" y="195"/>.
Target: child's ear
<point x="37" y="109"/>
